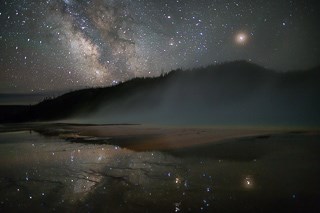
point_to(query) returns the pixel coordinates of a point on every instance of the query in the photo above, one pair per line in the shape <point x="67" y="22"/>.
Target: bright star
<point x="241" y="38"/>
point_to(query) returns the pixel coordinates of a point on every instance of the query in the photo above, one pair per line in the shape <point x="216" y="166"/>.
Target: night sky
<point x="61" y="45"/>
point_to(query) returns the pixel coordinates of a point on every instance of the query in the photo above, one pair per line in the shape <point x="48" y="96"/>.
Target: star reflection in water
<point x="248" y="182"/>
<point x="42" y="174"/>
<point x="70" y="172"/>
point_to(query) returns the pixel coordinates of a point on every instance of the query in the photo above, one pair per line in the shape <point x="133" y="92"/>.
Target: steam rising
<point x="231" y="94"/>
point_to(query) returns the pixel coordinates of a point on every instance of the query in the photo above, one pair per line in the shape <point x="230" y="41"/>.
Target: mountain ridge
<point x="234" y="92"/>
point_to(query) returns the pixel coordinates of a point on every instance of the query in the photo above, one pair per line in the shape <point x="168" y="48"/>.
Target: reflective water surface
<point x="278" y="173"/>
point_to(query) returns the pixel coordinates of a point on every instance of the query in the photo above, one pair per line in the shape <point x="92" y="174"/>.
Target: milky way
<point x="60" y="45"/>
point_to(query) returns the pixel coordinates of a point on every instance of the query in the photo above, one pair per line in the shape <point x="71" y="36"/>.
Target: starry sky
<point x="62" y="45"/>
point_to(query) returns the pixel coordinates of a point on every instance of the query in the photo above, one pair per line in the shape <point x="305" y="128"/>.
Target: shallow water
<point x="278" y="173"/>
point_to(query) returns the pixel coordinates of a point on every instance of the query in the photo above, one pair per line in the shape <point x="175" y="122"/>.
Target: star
<point x="241" y="38"/>
<point x="58" y="45"/>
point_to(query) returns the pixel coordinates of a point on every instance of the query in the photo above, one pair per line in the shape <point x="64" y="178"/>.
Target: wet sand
<point x="138" y="168"/>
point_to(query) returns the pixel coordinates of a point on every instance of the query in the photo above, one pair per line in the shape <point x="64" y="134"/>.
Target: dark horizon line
<point x="64" y="91"/>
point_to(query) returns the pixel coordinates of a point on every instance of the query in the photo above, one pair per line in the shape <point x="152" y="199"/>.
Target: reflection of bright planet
<point x="248" y="182"/>
<point x="241" y="38"/>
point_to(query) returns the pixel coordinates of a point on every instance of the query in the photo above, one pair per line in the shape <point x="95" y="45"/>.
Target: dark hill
<point x="230" y="93"/>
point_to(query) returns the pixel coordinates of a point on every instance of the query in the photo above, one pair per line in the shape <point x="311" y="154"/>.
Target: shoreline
<point x="141" y="137"/>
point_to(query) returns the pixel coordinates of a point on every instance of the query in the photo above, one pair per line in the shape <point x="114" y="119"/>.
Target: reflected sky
<point x="50" y="174"/>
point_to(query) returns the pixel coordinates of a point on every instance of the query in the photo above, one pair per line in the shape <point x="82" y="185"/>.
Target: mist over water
<point x="235" y="93"/>
<point x="230" y="94"/>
